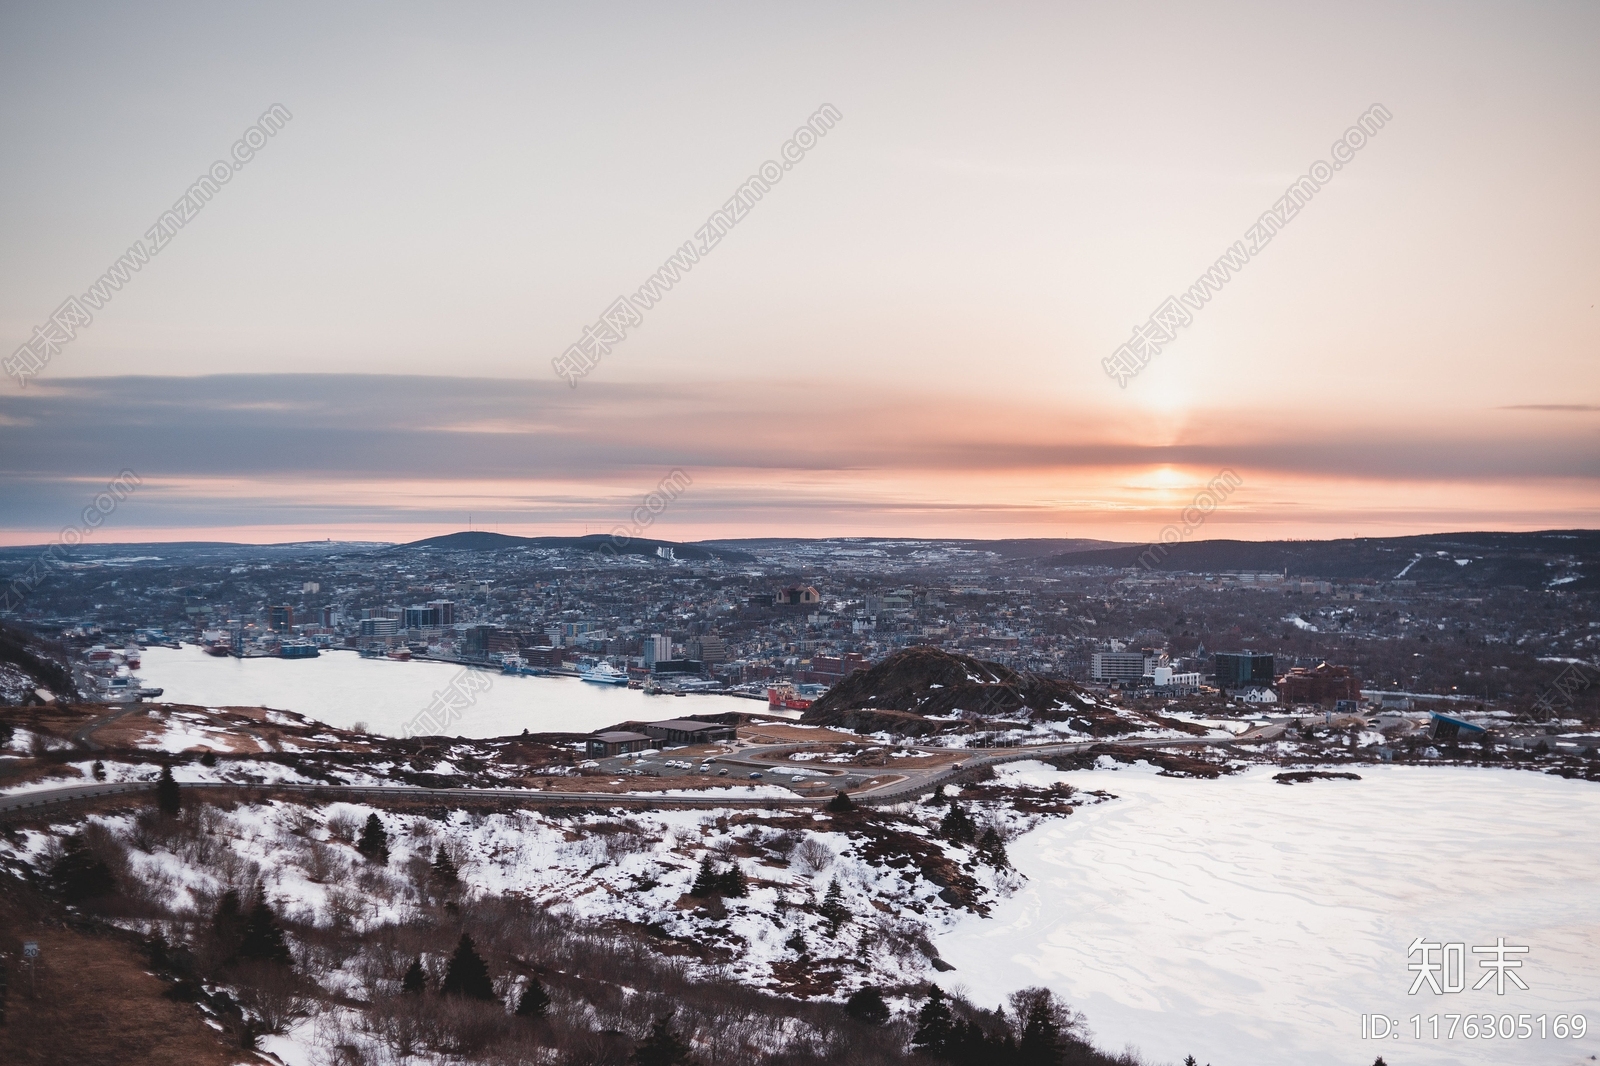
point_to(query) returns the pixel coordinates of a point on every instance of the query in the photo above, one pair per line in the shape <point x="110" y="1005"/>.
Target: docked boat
<point x="604" y="674"/>
<point x="400" y="655"/>
<point x="785" y="697"/>
<point x="512" y="664"/>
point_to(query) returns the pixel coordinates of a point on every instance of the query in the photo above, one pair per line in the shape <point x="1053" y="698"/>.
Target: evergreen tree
<point x="79" y="874"/>
<point x="706" y="881"/>
<point x="228" y="923"/>
<point x="374" y="843"/>
<point x="444" y="870"/>
<point x="732" y="884"/>
<point x="1041" y="1043"/>
<point x="841" y="804"/>
<point x="833" y="909"/>
<point x="167" y="796"/>
<point x="867" y="1005"/>
<point x="662" y="1047"/>
<point x="993" y="848"/>
<point x="956" y="826"/>
<point x="263" y="939"/>
<point x="935" y="1026"/>
<point x="99" y="770"/>
<point x="415" y="982"/>
<point x="468" y="975"/>
<point x="535" y="1001"/>
<point x="938" y="795"/>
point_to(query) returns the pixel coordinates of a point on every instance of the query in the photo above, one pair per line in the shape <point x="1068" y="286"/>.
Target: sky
<point x="905" y="335"/>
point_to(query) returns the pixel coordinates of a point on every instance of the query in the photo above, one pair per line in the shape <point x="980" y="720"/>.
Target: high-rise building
<point x="444" y="612"/>
<point x="1241" y="669"/>
<point x="280" y="618"/>
<point x="657" y="648"/>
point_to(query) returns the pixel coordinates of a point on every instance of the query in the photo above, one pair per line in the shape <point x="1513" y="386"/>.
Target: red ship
<point x="785" y="697"/>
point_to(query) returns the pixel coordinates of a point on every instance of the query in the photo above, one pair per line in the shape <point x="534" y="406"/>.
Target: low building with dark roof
<point x="605" y="745"/>
<point x="679" y="732"/>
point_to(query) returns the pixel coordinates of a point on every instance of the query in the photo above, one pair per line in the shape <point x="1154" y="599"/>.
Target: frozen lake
<point x="1251" y="923"/>
<point x="341" y="688"/>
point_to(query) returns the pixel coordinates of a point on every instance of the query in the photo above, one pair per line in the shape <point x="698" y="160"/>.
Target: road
<point x="913" y="782"/>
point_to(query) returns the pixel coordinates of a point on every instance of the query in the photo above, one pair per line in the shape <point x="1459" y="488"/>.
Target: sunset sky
<point x="904" y="337"/>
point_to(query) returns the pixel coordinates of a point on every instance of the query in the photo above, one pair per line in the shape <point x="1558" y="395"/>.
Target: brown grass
<point x="96" y="1004"/>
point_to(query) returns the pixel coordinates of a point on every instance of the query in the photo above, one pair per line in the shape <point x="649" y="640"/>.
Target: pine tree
<point x="415" y="982"/>
<point x="99" y="770"/>
<point x="662" y="1047"/>
<point x="867" y="1005"/>
<point x="935" y="1026"/>
<point x="732" y="883"/>
<point x="468" y="975"/>
<point x="263" y="939"/>
<point x="833" y="909"/>
<point x="1041" y="1043"/>
<point x="167" y="796"/>
<point x="956" y="826"/>
<point x="228" y="923"/>
<point x="841" y="804"/>
<point x="79" y="874"/>
<point x="993" y="847"/>
<point x="444" y="870"/>
<point x="706" y="881"/>
<point x="535" y="1001"/>
<point x="374" y="843"/>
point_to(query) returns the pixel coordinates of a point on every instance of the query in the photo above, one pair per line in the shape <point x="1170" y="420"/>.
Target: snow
<point x="1252" y="923"/>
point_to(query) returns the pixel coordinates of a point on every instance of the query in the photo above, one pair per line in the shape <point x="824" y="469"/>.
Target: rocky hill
<point x="923" y="690"/>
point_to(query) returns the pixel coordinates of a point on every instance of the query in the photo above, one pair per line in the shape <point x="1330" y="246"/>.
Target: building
<point x="380" y="627"/>
<point x="679" y="732"/>
<point x="482" y="641"/>
<point x="798" y="596"/>
<point x="709" y="650"/>
<point x="657" y="648"/>
<point x="1242" y="669"/>
<point x="1165" y="677"/>
<point x="1117" y="664"/>
<point x="605" y="745"/>
<point x="830" y="669"/>
<point x="444" y="612"/>
<point x="1319" y="683"/>
<point x="677" y="666"/>
<point x="281" y="618"/>
<point x="424" y="617"/>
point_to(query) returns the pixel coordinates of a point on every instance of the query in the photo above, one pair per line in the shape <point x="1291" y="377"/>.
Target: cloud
<point x="370" y="451"/>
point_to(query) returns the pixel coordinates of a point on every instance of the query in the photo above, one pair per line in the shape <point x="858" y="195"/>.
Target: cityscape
<point x="827" y="535"/>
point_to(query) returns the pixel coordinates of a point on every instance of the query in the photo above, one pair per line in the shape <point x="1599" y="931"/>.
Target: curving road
<point x="913" y="783"/>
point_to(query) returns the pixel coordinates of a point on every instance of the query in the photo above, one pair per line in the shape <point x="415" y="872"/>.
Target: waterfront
<point x="1252" y="923"/>
<point x="343" y="689"/>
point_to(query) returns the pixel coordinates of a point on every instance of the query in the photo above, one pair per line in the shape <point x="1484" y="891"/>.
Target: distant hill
<point x="1023" y="548"/>
<point x="1566" y="558"/>
<point x="479" y="541"/>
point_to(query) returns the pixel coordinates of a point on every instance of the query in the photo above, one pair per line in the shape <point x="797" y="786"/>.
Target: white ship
<point x="604" y="674"/>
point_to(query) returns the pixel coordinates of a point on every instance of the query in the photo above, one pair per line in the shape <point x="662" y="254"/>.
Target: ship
<point x="604" y="674"/>
<point x="400" y="655"/>
<point x="785" y="697"/>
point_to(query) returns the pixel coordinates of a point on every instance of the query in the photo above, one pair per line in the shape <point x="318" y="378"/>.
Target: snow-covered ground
<point x="1252" y="923"/>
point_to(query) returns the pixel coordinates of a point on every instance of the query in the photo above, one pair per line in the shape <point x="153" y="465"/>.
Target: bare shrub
<point x="274" y="995"/>
<point x="343" y="827"/>
<point x="812" y="855"/>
